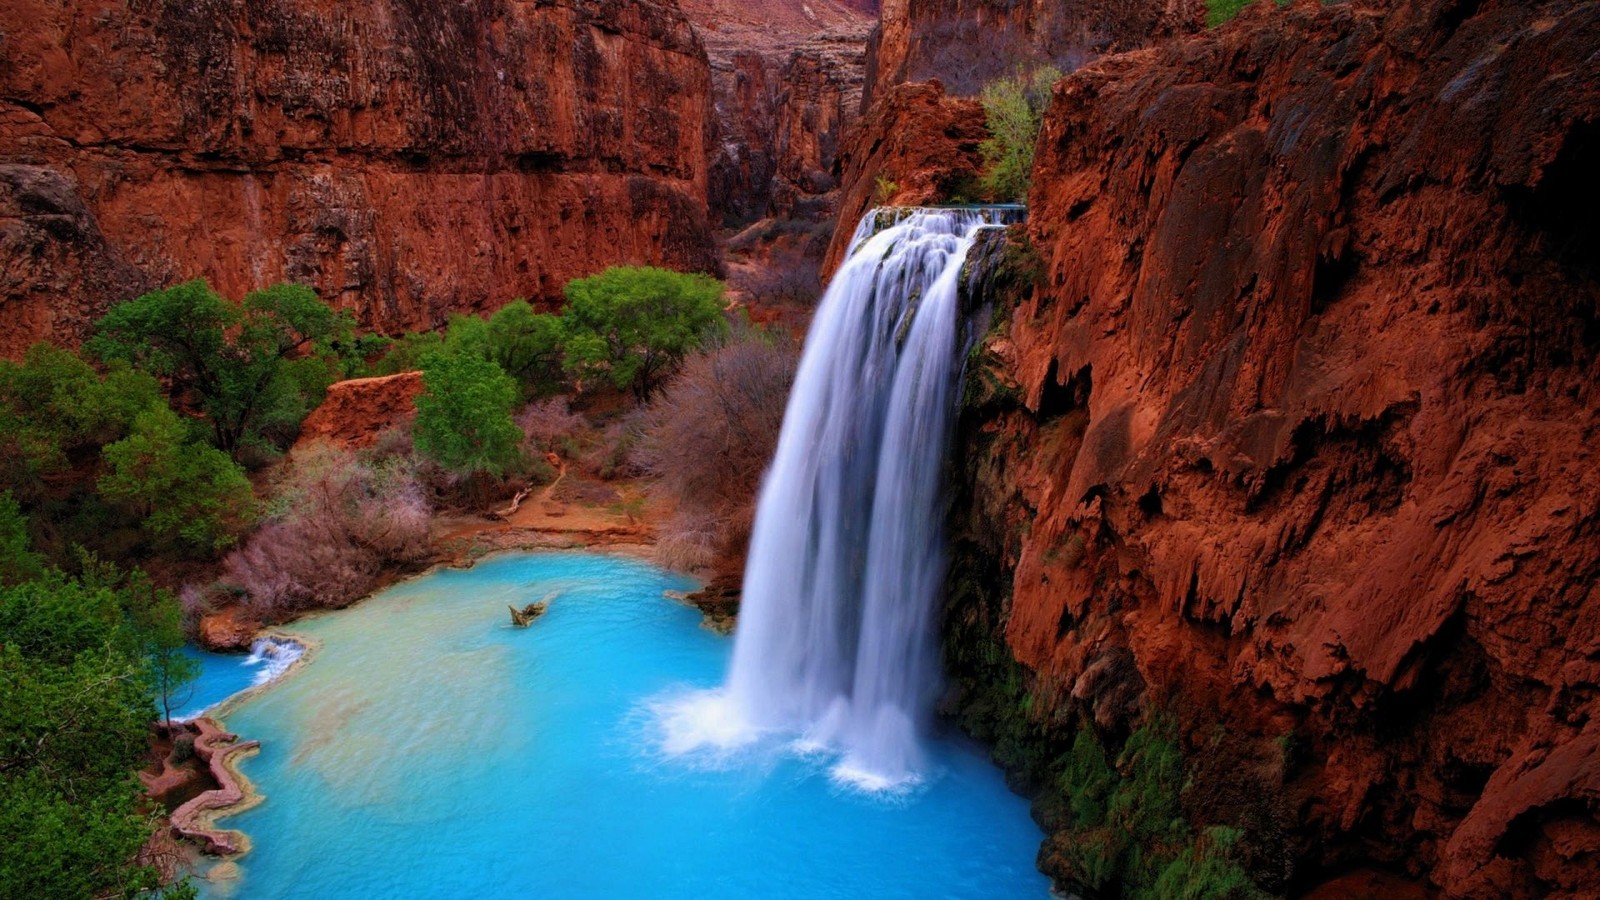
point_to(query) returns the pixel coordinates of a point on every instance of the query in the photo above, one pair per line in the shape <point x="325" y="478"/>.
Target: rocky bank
<point x="408" y="159"/>
<point x="1286" y="431"/>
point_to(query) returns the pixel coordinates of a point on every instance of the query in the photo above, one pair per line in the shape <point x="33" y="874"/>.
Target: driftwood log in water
<point x="521" y="618"/>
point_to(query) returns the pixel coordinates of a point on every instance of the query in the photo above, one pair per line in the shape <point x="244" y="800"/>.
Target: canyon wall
<point x="1287" y="431"/>
<point x="967" y="43"/>
<point x="787" y="78"/>
<point x="408" y="159"/>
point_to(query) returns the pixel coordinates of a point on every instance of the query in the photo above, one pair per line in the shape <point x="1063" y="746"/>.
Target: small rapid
<point x="223" y="676"/>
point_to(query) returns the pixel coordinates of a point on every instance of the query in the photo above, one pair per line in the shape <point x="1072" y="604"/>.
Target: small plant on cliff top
<point x="1220" y="11"/>
<point x="883" y="190"/>
<point x="1013" y="109"/>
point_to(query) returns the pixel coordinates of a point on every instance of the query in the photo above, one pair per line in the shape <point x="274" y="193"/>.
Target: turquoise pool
<point x="431" y="750"/>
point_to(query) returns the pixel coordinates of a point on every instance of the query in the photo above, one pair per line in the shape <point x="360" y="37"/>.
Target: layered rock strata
<point x="787" y="78"/>
<point x="967" y="43"/>
<point x="407" y="159"/>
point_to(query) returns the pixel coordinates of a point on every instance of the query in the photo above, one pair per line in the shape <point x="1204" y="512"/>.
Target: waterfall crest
<point x="836" y="637"/>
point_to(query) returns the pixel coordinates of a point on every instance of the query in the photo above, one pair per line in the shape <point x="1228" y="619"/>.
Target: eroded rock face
<point x="917" y="146"/>
<point x="788" y="79"/>
<point x="358" y="412"/>
<point x="967" y="43"/>
<point x="1296" y="437"/>
<point x="407" y="159"/>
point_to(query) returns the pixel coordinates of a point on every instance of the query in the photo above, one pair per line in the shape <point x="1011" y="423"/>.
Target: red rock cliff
<point x="966" y="43"/>
<point x="1302" y="444"/>
<point x="406" y="158"/>
<point x="787" y="78"/>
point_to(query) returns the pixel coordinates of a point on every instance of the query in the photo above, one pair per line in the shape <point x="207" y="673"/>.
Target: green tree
<point x="1013" y="109"/>
<point x="185" y="491"/>
<point x="405" y="353"/>
<point x="18" y="562"/>
<point x="75" y="706"/>
<point x="55" y="410"/>
<point x="634" y="325"/>
<point x="525" y="344"/>
<point x="256" y="367"/>
<point x="464" y="414"/>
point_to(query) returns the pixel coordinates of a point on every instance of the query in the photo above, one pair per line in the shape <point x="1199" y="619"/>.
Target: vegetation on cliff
<point x="1013" y="111"/>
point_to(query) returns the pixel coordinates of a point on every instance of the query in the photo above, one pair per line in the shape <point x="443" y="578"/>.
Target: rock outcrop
<point x="918" y="146"/>
<point x="967" y="43"/>
<point x="407" y="159"/>
<point x="1294" y="438"/>
<point x="357" y="412"/>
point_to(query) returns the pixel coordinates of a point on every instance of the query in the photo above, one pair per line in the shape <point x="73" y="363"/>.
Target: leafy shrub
<point x="186" y="492"/>
<point x="1013" y="109"/>
<point x="345" y="519"/>
<point x="464" y="414"/>
<point x="633" y="325"/>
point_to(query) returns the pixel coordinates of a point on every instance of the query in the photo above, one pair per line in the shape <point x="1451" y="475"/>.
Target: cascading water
<point x="836" y="630"/>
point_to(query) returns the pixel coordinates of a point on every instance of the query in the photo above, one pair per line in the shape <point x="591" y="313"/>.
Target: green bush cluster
<point x="85" y="663"/>
<point x="1013" y="110"/>
<point x="628" y="327"/>
<point x="93" y="456"/>
<point x="255" y="368"/>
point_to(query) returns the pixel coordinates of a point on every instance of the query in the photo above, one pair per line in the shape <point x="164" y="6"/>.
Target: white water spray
<point x="836" y="637"/>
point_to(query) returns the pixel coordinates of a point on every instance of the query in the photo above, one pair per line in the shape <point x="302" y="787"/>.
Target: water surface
<point x="429" y="750"/>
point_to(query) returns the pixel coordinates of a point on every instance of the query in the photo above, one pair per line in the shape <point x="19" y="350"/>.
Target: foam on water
<point x="224" y="675"/>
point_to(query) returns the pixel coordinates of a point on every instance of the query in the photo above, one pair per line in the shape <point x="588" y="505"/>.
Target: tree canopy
<point x="255" y="367"/>
<point x="633" y="325"/>
<point x="464" y="414"/>
<point x="80" y="661"/>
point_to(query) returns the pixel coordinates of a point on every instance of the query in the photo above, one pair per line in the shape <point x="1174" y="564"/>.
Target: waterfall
<point x="836" y="639"/>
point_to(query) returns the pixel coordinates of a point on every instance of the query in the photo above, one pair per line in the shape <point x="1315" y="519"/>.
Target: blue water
<point x="431" y="750"/>
<point x="222" y="675"/>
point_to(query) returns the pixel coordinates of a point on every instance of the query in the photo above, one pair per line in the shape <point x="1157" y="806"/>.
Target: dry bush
<point x="786" y="280"/>
<point x="194" y="604"/>
<point x="548" y="425"/>
<point x="345" y="520"/>
<point x="613" y="452"/>
<point x="711" y="434"/>
<point x="690" y="540"/>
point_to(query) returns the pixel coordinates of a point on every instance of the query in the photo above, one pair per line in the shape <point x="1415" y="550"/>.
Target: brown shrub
<point x="344" y="520"/>
<point x="548" y="426"/>
<point x="710" y="435"/>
